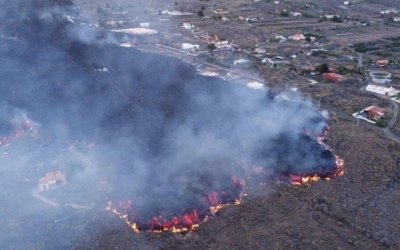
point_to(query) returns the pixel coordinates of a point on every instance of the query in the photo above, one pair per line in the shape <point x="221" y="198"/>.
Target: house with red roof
<point x="333" y="76"/>
<point x="51" y="180"/>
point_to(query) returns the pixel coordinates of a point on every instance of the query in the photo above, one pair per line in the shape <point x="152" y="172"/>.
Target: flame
<point x="191" y="218"/>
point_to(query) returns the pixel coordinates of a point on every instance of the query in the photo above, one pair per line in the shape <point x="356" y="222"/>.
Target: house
<point x="255" y="85"/>
<point x="224" y="19"/>
<point x="221" y="11"/>
<point x="333" y="76"/>
<point x="382" y="90"/>
<point x="375" y="112"/>
<point x="330" y="16"/>
<point x="313" y="38"/>
<point x="51" y="180"/>
<point x="396" y="19"/>
<point x="306" y="67"/>
<point x="391" y="11"/>
<point x="113" y="23"/>
<point x="295" y="14"/>
<point x="187" y="26"/>
<point x="281" y="38"/>
<point x="259" y="51"/>
<point x="223" y="45"/>
<point x="208" y="39"/>
<point x="188" y="46"/>
<point x="297" y="37"/>
<point x="382" y="62"/>
<point x="240" y="61"/>
<point x="144" y="24"/>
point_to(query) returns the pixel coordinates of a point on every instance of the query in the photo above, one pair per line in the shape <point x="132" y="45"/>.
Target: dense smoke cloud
<point x="149" y="124"/>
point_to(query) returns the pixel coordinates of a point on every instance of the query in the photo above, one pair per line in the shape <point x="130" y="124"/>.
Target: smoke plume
<point x="148" y="124"/>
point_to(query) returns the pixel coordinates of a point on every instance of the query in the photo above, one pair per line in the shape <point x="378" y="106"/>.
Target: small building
<point x="382" y="62"/>
<point x="240" y="61"/>
<point x="281" y="38"/>
<point x="333" y="76"/>
<point x="391" y="11"/>
<point x="221" y="11"/>
<point x="51" y="180"/>
<point x="298" y="37"/>
<point x="375" y="112"/>
<point x="259" y="51"/>
<point x="144" y="24"/>
<point x="223" y="45"/>
<point x="295" y="14"/>
<point x="187" y="26"/>
<point x="255" y="85"/>
<point x="224" y="19"/>
<point x="382" y="90"/>
<point x="396" y="19"/>
<point x="330" y="16"/>
<point x="188" y="46"/>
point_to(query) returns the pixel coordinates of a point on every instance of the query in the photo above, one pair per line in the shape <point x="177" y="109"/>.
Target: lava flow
<point x="190" y="217"/>
<point x="185" y="220"/>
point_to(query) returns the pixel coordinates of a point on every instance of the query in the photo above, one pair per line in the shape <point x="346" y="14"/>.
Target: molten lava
<point x="191" y="217"/>
<point x="187" y="219"/>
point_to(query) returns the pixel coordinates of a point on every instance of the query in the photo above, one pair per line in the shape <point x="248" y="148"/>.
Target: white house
<point x="188" y="46"/>
<point x="382" y="90"/>
<point x="396" y="19"/>
<point x="187" y="26"/>
<point x="392" y="11"/>
<point x="223" y="45"/>
<point x="255" y="85"/>
<point x="330" y="16"/>
<point x="144" y="24"/>
<point x="281" y="38"/>
<point x="51" y="180"/>
<point x="295" y="14"/>
<point x="240" y="61"/>
<point x="224" y="19"/>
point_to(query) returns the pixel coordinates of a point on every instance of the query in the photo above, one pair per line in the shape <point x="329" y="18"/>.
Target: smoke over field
<point x="160" y="136"/>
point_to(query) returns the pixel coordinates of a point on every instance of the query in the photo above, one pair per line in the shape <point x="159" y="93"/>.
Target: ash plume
<point x="159" y="130"/>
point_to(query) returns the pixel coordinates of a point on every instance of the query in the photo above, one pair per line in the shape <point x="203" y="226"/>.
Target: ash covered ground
<point x="159" y="130"/>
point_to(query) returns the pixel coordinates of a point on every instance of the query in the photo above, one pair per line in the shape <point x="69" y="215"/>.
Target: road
<point x="185" y="53"/>
<point x="384" y="131"/>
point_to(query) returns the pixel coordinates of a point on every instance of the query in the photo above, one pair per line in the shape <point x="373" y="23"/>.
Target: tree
<point x="308" y="39"/>
<point x="202" y="7"/>
<point x="211" y="46"/>
<point x="337" y="19"/>
<point x="200" y="13"/>
<point x="322" y="68"/>
<point x="284" y="13"/>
